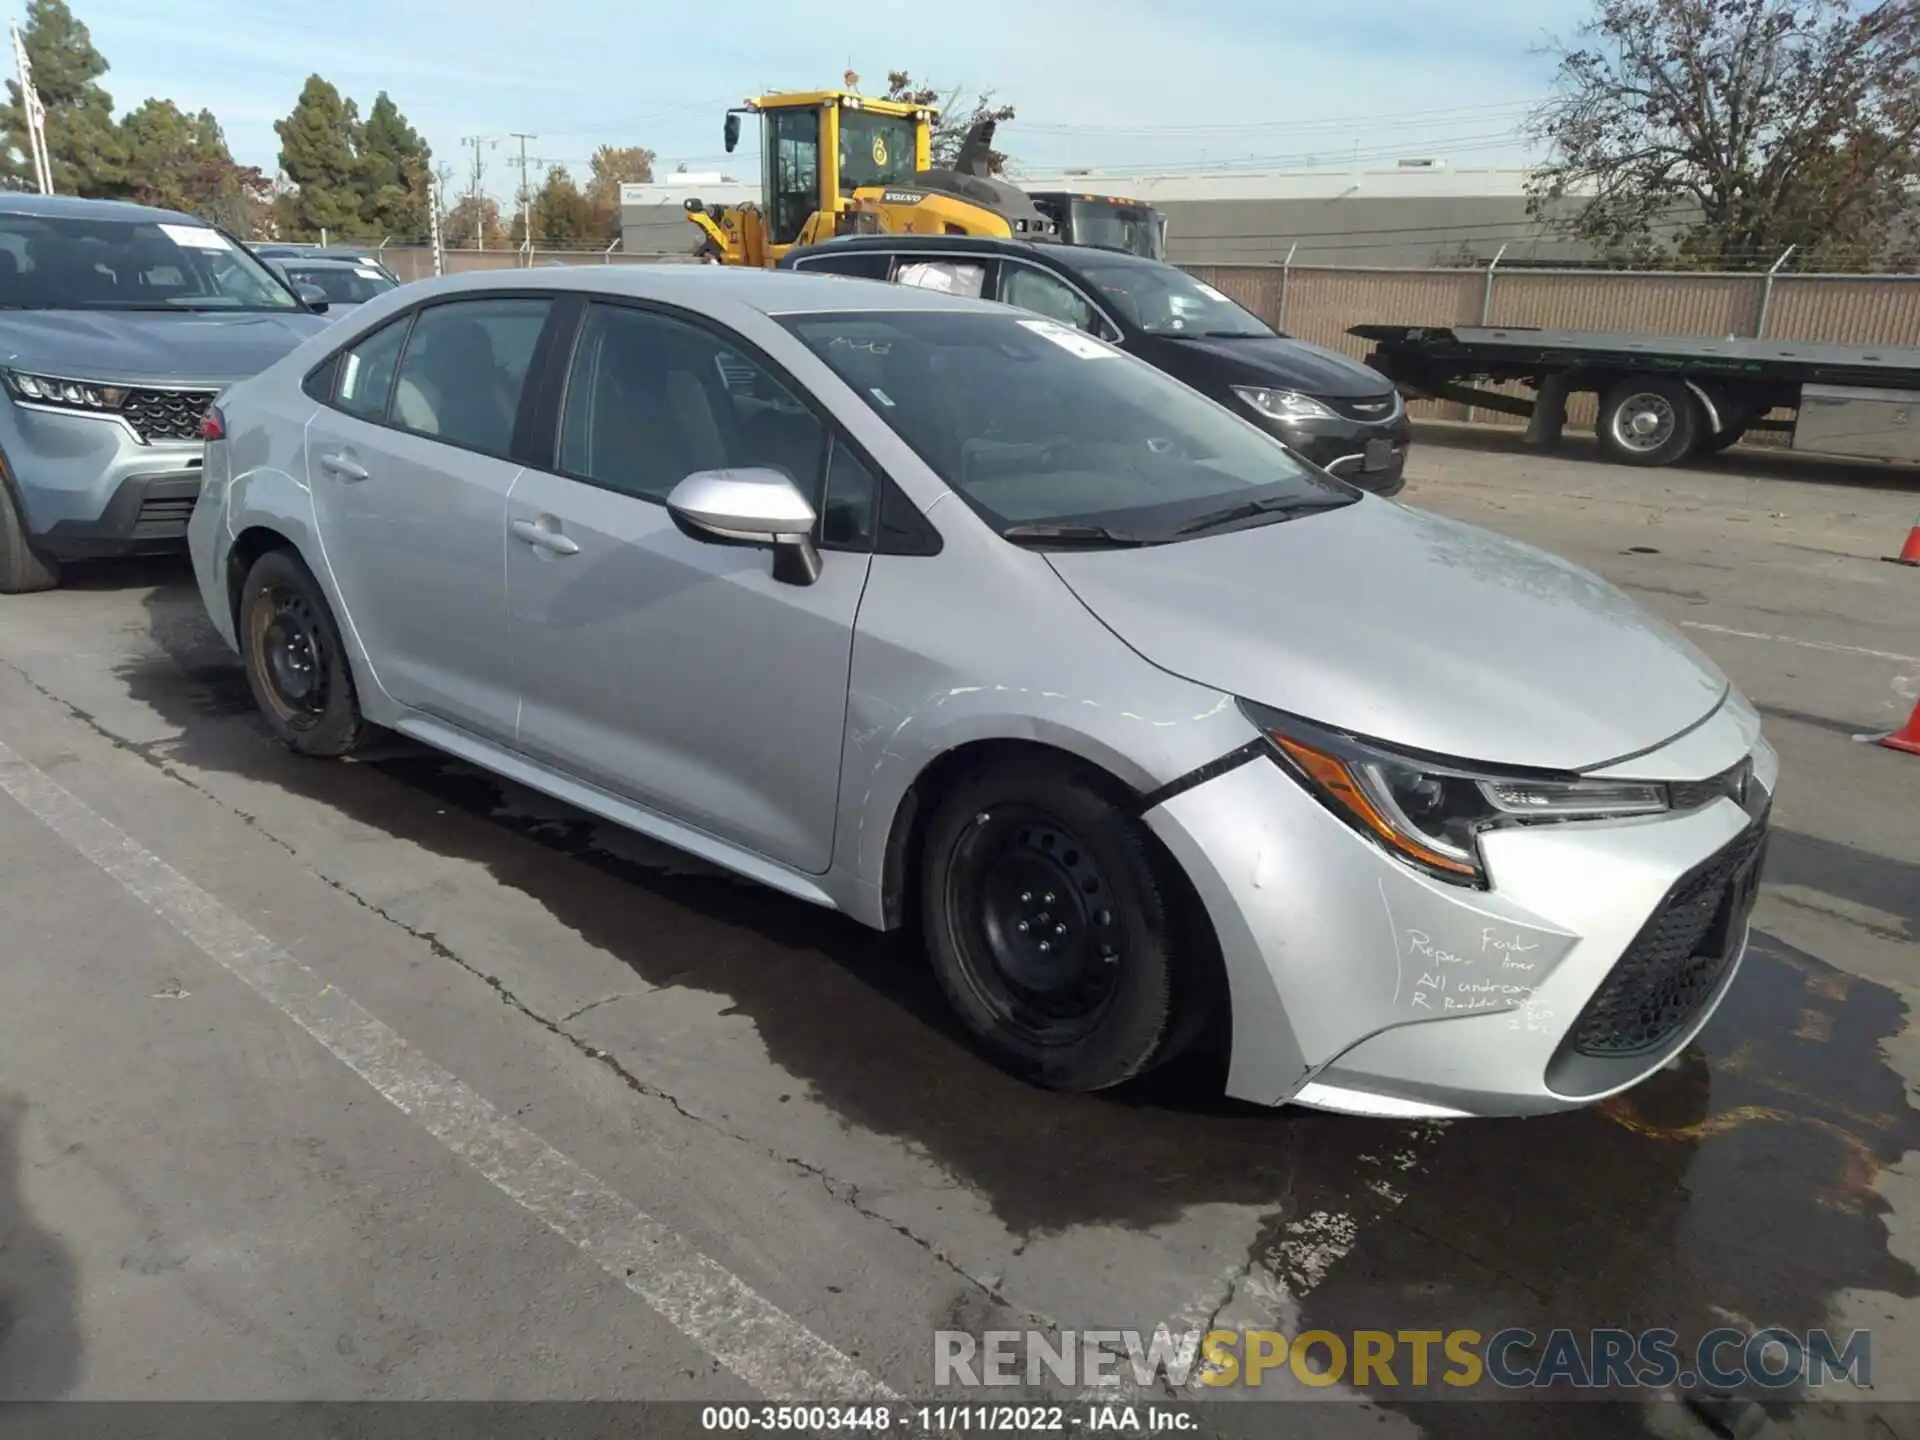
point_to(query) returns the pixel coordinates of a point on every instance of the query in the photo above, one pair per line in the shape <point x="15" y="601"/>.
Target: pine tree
<point x="181" y="162"/>
<point x="320" y="153"/>
<point x="82" y="140"/>
<point x="395" y="173"/>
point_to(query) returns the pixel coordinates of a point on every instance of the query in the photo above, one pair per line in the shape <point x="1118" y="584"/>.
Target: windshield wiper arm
<point x="1071" y="535"/>
<point x="1253" y="509"/>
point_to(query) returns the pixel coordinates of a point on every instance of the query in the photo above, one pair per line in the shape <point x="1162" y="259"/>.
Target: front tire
<point x="22" y="569"/>
<point x="1052" y="931"/>
<point x="296" y="666"/>
<point x="1649" y="420"/>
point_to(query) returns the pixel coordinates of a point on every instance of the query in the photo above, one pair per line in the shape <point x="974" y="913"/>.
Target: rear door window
<point x="950" y="277"/>
<point x="366" y="373"/>
<point x="465" y="368"/>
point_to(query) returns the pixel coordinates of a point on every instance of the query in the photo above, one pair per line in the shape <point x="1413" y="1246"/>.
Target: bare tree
<point x="954" y="120"/>
<point x="1719" y="132"/>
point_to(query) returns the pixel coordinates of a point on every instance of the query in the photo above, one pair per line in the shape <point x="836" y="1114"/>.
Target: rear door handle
<point x="342" y="463"/>
<point x="545" y="536"/>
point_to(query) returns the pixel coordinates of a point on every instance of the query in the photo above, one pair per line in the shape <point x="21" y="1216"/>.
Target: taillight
<point x="213" y="425"/>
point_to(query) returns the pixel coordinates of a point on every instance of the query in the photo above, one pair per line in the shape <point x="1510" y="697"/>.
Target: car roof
<point x="1075" y="259"/>
<point x="58" y="207"/>
<point x="770" y="292"/>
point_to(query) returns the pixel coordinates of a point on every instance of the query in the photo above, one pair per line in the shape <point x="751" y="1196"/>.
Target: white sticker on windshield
<point x="195" y="237"/>
<point x="366" y="274"/>
<point x="1206" y="289"/>
<point x="1072" y="341"/>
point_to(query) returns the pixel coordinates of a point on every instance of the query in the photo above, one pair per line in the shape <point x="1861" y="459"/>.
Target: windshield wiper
<point x="1254" y="509"/>
<point x="1071" y="535"/>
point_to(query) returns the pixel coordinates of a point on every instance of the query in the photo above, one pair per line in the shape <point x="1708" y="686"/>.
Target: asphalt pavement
<point x="383" y="1079"/>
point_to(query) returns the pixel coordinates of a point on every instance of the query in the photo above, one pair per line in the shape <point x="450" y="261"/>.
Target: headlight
<point x="1429" y="813"/>
<point x="1284" y="404"/>
<point x="66" y="394"/>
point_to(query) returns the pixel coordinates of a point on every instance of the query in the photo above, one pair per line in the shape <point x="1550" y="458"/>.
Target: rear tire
<point x="1649" y="420"/>
<point x="1052" y="931"/>
<point x="296" y="665"/>
<point x="22" y="569"/>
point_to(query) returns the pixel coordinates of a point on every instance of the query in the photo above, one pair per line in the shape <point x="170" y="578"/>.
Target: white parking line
<point x="749" y="1335"/>
<point x="1795" y="640"/>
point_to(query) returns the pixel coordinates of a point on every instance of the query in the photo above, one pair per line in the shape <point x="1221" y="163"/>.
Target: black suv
<point x="1332" y="411"/>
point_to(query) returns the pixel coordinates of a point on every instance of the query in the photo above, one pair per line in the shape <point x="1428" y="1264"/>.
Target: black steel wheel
<point x="1051" y="929"/>
<point x="296" y="666"/>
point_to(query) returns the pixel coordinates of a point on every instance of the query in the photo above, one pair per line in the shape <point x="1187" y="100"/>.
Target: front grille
<point x="1678" y="958"/>
<point x="1366" y="407"/>
<point x="166" y="414"/>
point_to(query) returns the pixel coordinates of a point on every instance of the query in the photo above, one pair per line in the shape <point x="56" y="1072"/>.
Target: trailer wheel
<point x="1649" y="420"/>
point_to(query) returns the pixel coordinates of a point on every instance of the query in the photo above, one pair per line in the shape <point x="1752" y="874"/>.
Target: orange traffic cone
<point x="1907" y="739"/>
<point x="1909" y="552"/>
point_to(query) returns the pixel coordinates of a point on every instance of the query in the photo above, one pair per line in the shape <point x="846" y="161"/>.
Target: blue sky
<point x="1096" y="82"/>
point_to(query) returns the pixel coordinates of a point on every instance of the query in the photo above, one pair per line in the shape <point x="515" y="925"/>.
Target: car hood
<point x="1407" y="628"/>
<point x="143" y="346"/>
<point x="1274" y="361"/>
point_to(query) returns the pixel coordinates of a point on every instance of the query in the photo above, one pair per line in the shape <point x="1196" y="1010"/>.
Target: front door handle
<point x="342" y="463"/>
<point x="544" y="534"/>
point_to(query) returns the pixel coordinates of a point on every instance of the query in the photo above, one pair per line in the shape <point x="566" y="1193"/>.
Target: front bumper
<point x="88" y="487"/>
<point x="1362" y="986"/>
<point x="1370" y="454"/>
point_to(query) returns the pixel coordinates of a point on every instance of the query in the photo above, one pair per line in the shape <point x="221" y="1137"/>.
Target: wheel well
<point x="900" y="870"/>
<point x="247" y="549"/>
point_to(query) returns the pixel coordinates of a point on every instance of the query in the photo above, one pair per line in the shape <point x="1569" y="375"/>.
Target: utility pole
<point x="479" y="144"/>
<point x="35" y="114"/>
<point x="433" y="209"/>
<point x="526" y="188"/>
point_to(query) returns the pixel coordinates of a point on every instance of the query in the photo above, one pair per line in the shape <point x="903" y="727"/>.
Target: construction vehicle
<point x="835" y="162"/>
<point x="1107" y="222"/>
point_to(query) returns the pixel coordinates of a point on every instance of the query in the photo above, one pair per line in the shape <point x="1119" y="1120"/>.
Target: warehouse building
<point x="1415" y="214"/>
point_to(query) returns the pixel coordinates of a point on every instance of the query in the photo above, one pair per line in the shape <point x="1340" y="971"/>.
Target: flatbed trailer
<point x="1663" y="398"/>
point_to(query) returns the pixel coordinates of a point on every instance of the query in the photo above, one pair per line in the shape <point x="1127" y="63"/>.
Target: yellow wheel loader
<point x="838" y="163"/>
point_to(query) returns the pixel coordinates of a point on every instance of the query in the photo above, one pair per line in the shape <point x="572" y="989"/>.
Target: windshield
<point x="1163" y="300"/>
<point x="1033" y="423"/>
<point x="1110" y="225"/>
<point x="874" y="149"/>
<point x="73" y="263"/>
<point x="341" y="286"/>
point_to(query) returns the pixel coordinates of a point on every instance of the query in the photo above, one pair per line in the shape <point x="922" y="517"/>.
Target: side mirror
<point x="732" y="131"/>
<point x="314" y="297"/>
<point x="750" y="507"/>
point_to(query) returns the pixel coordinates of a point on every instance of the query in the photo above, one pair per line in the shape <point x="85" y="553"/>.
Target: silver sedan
<point x="942" y="614"/>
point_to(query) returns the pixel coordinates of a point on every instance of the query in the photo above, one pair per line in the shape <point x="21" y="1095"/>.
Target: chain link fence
<point x="1318" y="303"/>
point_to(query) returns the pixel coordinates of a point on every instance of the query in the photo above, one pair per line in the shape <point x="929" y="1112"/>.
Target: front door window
<point x="793" y="161"/>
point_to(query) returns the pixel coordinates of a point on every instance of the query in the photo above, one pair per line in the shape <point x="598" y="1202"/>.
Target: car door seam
<point x="506" y="602"/>
<point x="326" y="558"/>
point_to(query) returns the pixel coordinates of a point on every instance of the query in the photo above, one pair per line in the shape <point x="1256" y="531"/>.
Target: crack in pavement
<point x="842" y="1192"/>
<point x="573" y="1015"/>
